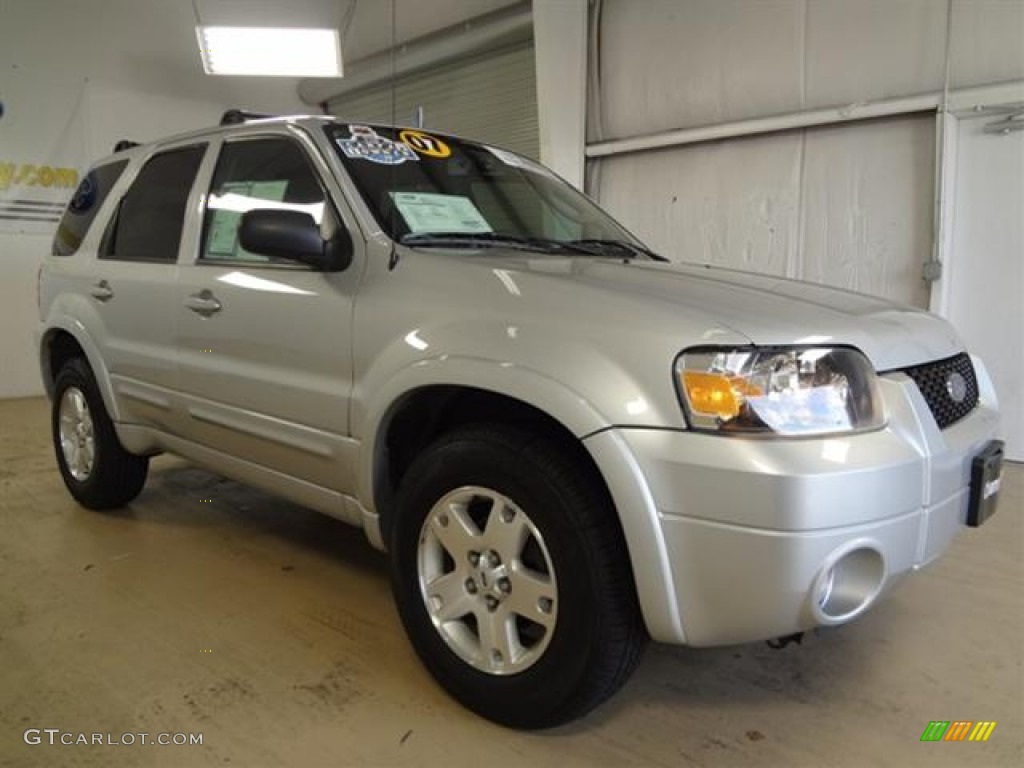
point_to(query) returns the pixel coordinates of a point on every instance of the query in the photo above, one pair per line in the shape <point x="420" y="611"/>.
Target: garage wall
<point x="849" y="204"/>
<point x="490" y="98"/>
<point x="847" y="207"/>
<point x="682" y="63"/>
<point x="110" y="70"/>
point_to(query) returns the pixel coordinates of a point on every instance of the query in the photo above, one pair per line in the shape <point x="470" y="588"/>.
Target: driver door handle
<point x="203" y="303"/>
<point x="101" y="291"/>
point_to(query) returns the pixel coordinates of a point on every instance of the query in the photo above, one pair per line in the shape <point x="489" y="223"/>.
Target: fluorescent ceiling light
<point x="275" y="51"/>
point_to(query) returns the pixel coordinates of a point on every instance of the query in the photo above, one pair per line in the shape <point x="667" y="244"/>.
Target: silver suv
<point x="565" y="443"/>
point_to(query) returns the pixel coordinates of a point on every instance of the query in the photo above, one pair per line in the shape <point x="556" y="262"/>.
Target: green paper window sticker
<point x="431" y="212"/>
<point x="227" y="207"/>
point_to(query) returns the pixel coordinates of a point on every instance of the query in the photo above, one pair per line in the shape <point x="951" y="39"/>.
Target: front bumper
<point x="757" y="538"/>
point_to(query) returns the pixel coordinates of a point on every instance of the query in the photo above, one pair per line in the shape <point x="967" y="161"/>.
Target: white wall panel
<point x="848" y="205"/>
<point x="859" y="50"/>
<point x="669" y="64"/>
<point x="867" y="199"/>
<point x="729" y="203"/>
<point x="20" y="257"/>
<point x="988" y="42"/>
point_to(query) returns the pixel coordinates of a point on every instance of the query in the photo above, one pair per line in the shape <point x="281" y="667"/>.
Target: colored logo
<point x="958" y="730"/>
<point x="425" y="144"/>
<point x="365" y="144"/>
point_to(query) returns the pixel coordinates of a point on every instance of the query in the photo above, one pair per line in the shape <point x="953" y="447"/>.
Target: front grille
<point x="939" y="384"/>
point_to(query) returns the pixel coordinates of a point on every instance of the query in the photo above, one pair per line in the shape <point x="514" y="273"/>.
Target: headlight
<point x="780" y="391"/>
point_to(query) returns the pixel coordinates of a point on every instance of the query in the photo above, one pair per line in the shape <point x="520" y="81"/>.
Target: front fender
<point x="631" y="496"/>
<point x="567" y="407"/>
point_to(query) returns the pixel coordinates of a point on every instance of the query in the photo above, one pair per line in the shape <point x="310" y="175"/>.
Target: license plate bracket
<point x="986" y="476"/>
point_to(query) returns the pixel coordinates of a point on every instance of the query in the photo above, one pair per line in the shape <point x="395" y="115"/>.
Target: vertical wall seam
<point x="804" y="36"/>
<point x="795" y="263"/>
<point x="798" y="261"/>
<point x="594" y="101"/>
<point x="940" y="170"/>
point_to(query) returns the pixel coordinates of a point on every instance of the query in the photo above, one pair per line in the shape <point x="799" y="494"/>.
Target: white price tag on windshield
<point x="431" y="212"/>
<point x="512" y="160"/>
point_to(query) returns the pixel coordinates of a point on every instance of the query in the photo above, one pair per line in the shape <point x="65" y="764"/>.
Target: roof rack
<point x="124" y="144"/>
<point x="237" y="116"/>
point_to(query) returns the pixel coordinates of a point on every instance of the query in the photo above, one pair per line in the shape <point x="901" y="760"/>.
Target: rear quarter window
<point x="84" y="205"/>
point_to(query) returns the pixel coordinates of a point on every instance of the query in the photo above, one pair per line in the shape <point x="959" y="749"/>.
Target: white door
<point x="986" y="268"/>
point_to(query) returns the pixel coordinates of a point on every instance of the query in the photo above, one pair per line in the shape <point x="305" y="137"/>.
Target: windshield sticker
<point x="425" y="144"/>
<point x="365" y="144"/>
<point x="430" y="212"/>
<point x="512" y="160"/>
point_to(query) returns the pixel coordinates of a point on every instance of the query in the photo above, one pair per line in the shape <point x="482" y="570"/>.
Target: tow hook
<point x="781" y="642"/>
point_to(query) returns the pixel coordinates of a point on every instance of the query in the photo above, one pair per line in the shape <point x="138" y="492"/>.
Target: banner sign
<point x="42" y="149"/>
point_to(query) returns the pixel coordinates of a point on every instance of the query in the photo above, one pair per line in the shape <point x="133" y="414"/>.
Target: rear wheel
<point x="96" y="469"/>
<point x="512" y="579"/>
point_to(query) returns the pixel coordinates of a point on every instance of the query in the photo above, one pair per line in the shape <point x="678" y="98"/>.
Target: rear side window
<point x="84" y="205"/>
<point x="149" y="219"/>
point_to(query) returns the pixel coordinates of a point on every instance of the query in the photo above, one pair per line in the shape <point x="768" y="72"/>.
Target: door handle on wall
<point x="101" y="291"/>
<point x="203" y="303"/>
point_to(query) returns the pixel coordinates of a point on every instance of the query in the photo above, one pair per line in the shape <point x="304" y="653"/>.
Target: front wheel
<point x="97" y="470"/>
<point x="512" y="579"/>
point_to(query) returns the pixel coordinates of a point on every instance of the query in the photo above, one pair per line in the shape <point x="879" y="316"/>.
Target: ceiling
<point x="373" y="25"/>
<point x="150" y="45"/>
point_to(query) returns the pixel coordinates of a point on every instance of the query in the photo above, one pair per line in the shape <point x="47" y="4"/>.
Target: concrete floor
<point x="209" y="608"/>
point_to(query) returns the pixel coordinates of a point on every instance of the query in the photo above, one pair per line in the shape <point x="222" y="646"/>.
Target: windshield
<point x="425" y="189"/>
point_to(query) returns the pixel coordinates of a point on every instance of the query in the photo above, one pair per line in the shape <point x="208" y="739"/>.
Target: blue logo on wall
<point x="85" y="196"/>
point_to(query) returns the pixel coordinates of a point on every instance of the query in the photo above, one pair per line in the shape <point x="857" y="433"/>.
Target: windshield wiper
<point x="458" y="238"/>
<point x="588" y="246"/>
<point x="620" y="245"/>
<point x="498" y="239"/>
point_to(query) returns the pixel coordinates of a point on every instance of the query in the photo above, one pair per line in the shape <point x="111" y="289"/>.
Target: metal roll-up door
<point x="491" y="98"/>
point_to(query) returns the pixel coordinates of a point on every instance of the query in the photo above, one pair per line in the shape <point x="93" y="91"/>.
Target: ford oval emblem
<point x="956" y="387"/>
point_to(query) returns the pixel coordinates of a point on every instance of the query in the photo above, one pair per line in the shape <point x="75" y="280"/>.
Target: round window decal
<point x="424" y="143"/>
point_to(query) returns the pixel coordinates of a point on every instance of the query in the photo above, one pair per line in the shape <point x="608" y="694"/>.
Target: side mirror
<point x="281" y="233"/>
<point x="293" y="235"/>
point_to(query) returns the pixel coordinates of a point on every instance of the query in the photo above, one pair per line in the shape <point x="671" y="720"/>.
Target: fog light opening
<point x="825" y="587"/>
<point x="848" y="585"/>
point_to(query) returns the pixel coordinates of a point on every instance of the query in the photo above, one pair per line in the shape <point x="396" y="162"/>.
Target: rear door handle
<point x="203" y="303"/>
<point x="101" y="291"/>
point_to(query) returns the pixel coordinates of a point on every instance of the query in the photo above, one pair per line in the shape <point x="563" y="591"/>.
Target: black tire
<point x="598" y="633"/>
<point x="115" y="476"/>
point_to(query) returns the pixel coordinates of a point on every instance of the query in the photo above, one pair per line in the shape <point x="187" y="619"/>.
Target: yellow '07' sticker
<point x="424" y="143"/>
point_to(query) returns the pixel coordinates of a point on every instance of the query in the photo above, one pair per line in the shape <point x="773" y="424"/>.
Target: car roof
<point x="130" y="149"/>
<point x="134" y="149"/>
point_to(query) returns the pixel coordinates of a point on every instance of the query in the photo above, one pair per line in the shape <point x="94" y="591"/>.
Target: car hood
<point x="766" y="310"/>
